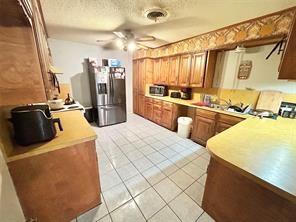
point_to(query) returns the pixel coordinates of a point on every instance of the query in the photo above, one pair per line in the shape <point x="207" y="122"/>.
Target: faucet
<point x="228" y="103"/>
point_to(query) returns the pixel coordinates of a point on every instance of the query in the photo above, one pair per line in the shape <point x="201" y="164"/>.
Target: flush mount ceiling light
<point x="156" y="14"/>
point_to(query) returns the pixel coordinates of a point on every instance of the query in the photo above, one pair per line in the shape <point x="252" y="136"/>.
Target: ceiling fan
<point x="126" y="40"/>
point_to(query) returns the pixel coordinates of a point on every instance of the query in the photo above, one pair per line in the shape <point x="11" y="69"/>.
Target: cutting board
<point x="270" y="100"/>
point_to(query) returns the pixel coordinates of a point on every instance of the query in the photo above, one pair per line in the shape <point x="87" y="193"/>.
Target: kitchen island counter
<point x="76" y="130"/>
<point x="257" y="160"/>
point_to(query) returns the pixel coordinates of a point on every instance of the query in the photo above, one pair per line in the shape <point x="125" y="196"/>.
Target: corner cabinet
<point x="287" y="69"/>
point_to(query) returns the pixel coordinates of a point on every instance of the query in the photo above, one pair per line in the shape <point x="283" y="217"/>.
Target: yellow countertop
<point x="76" y="130"/>
<point x="263" y="150"/>
<point x="189" y="104"/>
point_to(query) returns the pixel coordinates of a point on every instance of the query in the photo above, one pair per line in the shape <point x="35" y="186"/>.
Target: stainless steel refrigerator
<point x="107" y="85"/>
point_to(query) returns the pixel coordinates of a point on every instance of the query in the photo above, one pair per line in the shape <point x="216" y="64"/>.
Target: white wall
<point x="10" y="209"/>
<point x="264" y="72"/>
<point x="69" y="57"/>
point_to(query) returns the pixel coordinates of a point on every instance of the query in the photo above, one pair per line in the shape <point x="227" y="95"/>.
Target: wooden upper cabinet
<point x="142" y="76"/>
<point x="135" y="76"/>
<point x="198" y="70"/>
<point x="184" y="72"/>
<point x="174" y="70"/>
<point x="164" y="70"/>
<point x="21" y="80"/>
<point x="156" y="71"/>
<point x="149" y="71"/>
<point x="287" y="69"/>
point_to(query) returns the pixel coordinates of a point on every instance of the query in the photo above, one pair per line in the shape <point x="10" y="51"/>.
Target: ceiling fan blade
<point x="105" y="40"/>
<point x="141" y="46"/>
<point x="119" y="35"/>
<point x="145" y="39"/>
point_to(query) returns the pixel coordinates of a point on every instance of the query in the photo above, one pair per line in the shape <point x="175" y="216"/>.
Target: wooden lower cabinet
<point x="203" y="129"/>
<point x="135" y="102"/>
<point x="157" y="110"/>
<point x="141" y="100"/>
<point x="149" y="108"/>
<point x="207" y="124"/>
<point x="58" y="185"/>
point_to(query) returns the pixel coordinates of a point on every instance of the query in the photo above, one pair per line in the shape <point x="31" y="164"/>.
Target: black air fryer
<point x="33" y="124"/>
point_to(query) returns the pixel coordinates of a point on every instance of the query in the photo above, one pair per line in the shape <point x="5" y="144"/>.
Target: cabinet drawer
<point x="149" y="100"/>
<point x="167" y="105"/>
<point x="206" y="114"/>
<point x="157" y="102"/>
<point x="157" y="107"/>
<point x="230" y="120"/>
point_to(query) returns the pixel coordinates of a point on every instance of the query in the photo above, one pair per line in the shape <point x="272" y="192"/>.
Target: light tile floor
<point x="148" y="173"/>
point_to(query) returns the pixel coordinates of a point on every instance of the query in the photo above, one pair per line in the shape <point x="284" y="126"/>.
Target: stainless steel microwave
<point x="158" y="90"/>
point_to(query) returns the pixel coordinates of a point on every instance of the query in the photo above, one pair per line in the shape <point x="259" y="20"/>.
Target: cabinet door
<point x="149" y="110"/>
<point x="149" y="71"/>
<point x="141" y="76"/>
<point x="135" y="75"/>
<point x="135" y="102"/>
<point x="198" y="70"/>
<point x="164" y="70"/>
<point x="166" y="117"/>
<point x="157" y="113"/>
<point x="174" y="70"/>
<point x="141" y="99"/>
<point x="184" y="72"/>
<point x="220" y="127"/>
<point x="203" y="129"/>
<point x="156" y="71"/>
<point x="287" y="69"/>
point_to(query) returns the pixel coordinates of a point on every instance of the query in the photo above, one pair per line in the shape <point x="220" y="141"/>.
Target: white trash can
<point x="184" y="126"/>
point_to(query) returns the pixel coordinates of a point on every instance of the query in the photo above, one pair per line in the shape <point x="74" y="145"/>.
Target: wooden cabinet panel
<point x="184" y="72"/>
<point x="149" y="71"/>
<point x="174" y="70"/>
<point x="135" y="75"/>
<point x="141" y="101"/>
<point x="167" y="117"/>
<point x="287" y="69"/>
<point x="220" y="127"/>
<point x="21" y="80"/>
<point x="142" y="76"/>
<point x="156" y="71"/>
<point x="203" y="129"/>
<point x="164" y="70"/>
<point x="149" y="109"/>
<point x="198" y="70"/>
<point x="157" y="110"/>
<point x="135" y="102"/>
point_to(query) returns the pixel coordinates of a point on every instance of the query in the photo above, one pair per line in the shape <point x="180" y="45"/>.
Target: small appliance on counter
<point x="33" y="123"/>
<point x="186" y="93"/>
<point x="176" y="95"/>
<point x="56" y="104"/>
<point x="263" y="113"/>
<point x="288" y="110"/>
<point x="69" y="100"/>
<point x="156" y="90"/>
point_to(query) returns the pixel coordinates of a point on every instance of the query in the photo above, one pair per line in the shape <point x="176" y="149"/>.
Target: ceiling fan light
<point x="131" y="45"/>
<point x="119" y="43"/>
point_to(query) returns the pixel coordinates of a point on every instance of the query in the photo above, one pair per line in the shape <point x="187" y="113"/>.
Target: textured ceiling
<point x="89" y="20"/>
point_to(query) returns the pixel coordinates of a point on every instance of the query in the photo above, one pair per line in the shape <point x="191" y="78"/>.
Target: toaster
<point x="175" y="95"/>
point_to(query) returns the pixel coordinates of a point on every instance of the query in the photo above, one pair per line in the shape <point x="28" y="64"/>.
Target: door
<point x="167" y="115"/>
<point x="111" y="114"/>
<point x="164" y="70"/>
<point x="135" y="102"/>
<point x="184" y="72"/>
<point x="149" y="110"/>
<point x="203" y="129"/>
<point x="135" y="75"/>
<point x="157" y="108"/>
<point x="117" y="90"/>
<point x="141" y="76"/>
<point x="141" y="108"/>
<point x="156" y="71"/>
<point x="174" y="70"/>
<point x="198" y="70"/>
